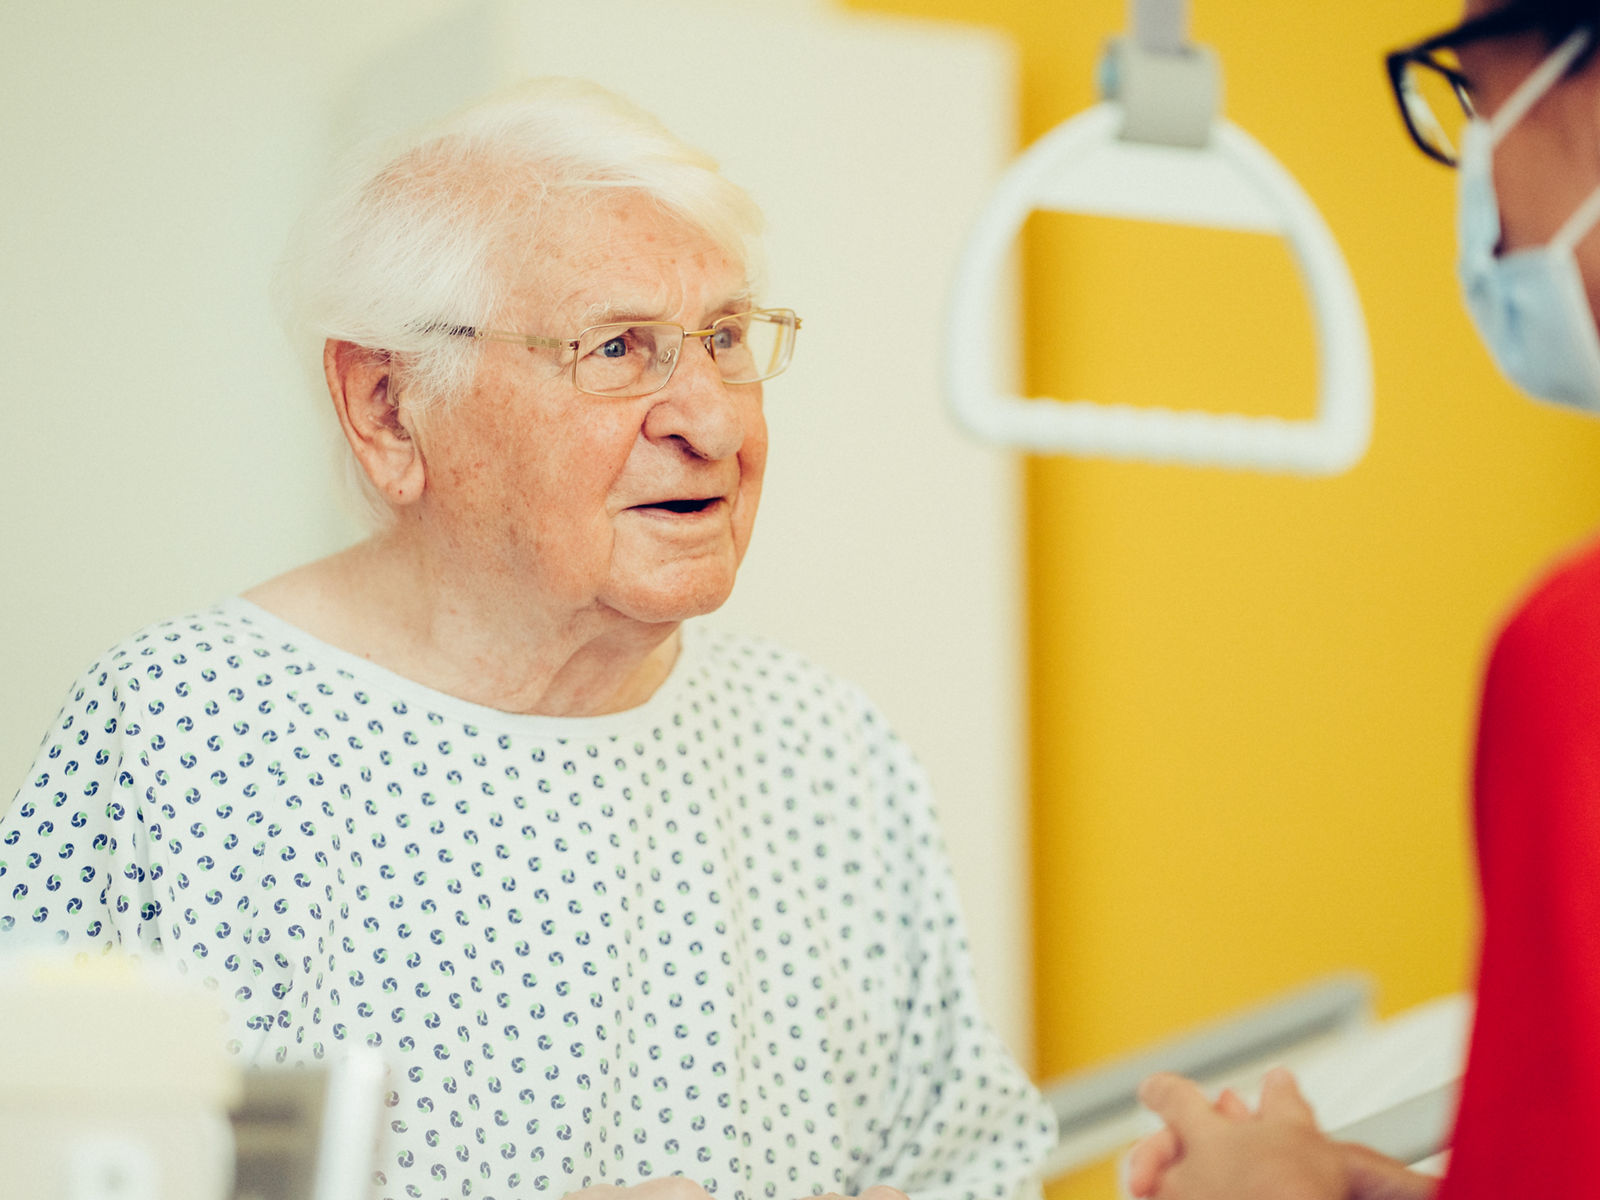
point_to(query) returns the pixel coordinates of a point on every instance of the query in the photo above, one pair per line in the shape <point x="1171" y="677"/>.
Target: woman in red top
<point x="1526" y="110"/>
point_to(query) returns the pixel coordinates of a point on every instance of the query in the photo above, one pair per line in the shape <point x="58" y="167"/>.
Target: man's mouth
<point x="682" y="506"/>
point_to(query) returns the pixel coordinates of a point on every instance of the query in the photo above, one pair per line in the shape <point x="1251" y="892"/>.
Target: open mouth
<point x="683" y="506"/>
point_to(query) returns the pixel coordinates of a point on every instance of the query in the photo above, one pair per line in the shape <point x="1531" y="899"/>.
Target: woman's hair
<point x="416" y="238"/>
<point x="1555" y="19"/>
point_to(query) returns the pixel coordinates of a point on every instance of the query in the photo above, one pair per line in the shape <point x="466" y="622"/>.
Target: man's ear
<point x="361" y="384"/>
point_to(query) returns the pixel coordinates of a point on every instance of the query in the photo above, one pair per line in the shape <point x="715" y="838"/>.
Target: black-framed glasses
<point x="635" y="358"/>
<point x="1434" y="97"/>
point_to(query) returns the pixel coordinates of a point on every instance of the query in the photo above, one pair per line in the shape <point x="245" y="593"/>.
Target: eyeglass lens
<point x="1437" y="108"/>
<point x="634" y="359"/>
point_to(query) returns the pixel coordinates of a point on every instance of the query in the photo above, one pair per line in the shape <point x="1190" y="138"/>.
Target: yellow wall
<point x="1252" y="696"/>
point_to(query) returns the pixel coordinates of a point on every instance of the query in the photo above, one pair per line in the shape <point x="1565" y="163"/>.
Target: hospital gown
<point x="1531" y="1097"/>
<point x="713" y="936"/>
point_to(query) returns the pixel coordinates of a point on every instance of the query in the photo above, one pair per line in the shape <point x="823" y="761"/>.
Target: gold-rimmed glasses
<point x="635" y="358"/>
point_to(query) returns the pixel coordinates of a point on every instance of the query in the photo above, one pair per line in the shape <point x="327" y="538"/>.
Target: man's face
<point x="558" y="499"/>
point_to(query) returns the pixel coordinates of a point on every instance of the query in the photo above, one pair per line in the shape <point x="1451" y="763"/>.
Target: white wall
<point x="166" y="448"/>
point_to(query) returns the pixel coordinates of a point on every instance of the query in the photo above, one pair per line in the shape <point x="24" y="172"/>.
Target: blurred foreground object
<point x="308" y="1132"/>
<point x="115" y="1085"/>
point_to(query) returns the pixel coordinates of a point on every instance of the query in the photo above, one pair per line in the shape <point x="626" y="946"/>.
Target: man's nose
<point x="698" y="408"/>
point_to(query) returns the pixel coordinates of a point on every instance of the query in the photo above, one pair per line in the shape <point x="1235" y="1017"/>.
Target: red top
<point x="1530" y="1109"/>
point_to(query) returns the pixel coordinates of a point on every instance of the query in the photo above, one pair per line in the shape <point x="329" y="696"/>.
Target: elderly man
<point x="619" y="899"/>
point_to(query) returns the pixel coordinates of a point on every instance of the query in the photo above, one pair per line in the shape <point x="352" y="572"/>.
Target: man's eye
<point x="617" y="347"/>
<point x="725" y="338"/>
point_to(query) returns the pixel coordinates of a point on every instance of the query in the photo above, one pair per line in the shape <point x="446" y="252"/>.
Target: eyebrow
<point x="611" y="312"/>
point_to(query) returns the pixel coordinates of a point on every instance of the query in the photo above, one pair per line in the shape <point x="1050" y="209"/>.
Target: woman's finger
<point x="1280" y="1097"/>
<point x="1178" y="1102"/>
<point x="1148" y="1161"/>
<point x="1230" y="1104"/>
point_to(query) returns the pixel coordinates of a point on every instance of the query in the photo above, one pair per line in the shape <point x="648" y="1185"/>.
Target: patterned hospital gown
<point x="713" y="936"/>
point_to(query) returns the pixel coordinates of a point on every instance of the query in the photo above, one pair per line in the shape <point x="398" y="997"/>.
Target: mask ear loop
<point x="1579" y="223"/>
<point x="1577" y="226"/>
<point x="1532" y="89"/>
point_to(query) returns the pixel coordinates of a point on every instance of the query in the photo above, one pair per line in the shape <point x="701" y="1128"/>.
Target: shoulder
<point x="791" y="716"/>
<point x="769" y="677"/>
<point x="207" y="652"/>
<point x="159" y="682"/>
<point x="1540" y="707"/>
<point x="176" y="647"/>
<point x="187" y="640"/>
<point x="1552" y="637"/>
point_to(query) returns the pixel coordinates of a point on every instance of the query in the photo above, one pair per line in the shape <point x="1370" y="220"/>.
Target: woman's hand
<point x="1227" y="1152"/>
<point x="1150" y="1157"/>
<point x="1374" y="1176"/>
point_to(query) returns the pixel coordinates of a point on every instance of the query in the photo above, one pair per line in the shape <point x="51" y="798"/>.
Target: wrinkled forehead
<point x="598" y="257"/>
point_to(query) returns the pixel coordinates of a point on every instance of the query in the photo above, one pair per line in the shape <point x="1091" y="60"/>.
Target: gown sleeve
<point x="75" y="843"/>
<point x="969" y="1122"/>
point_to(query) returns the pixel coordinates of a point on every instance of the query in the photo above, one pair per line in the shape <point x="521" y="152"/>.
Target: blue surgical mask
<point x="1530" y="306"/>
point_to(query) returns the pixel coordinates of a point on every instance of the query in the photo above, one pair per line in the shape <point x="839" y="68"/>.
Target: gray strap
<point x="1160" y="26"/>
<point x="1170" y="91"/>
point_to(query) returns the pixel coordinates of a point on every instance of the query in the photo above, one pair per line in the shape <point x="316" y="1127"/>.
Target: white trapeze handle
<point x="1231" y="183"/>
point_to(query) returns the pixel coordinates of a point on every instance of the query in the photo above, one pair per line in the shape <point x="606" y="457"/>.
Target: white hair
<point x="409" y="244"/>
